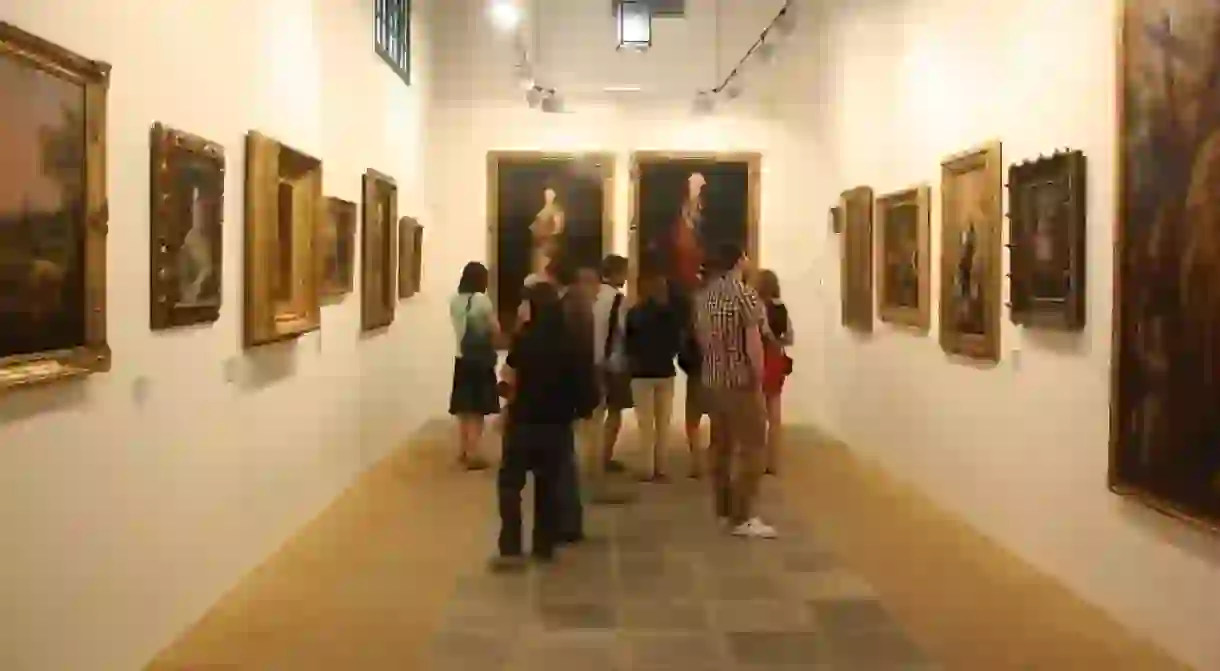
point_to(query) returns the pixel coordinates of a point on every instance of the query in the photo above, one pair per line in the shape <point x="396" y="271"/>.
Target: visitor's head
<point x="654" y="288"/>
<point x="766" y="282"/>
<point x="541" y="306"/>
<point x="588" y="280"/>
<point x="474" y="279"/>
<point x="614" y="270"/>
<point x="726" y="258"/>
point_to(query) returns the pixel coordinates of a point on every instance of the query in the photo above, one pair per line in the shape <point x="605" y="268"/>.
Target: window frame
<point x="392" y="35"/>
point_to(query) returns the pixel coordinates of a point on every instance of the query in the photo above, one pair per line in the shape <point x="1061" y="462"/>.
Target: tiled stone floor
<point x="659" y="587"/>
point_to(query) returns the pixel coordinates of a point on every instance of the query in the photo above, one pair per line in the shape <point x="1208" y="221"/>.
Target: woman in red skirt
<point x="777" y="365"/>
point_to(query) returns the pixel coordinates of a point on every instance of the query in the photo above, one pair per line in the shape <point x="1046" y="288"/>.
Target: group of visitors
<point x="581" y="354"/>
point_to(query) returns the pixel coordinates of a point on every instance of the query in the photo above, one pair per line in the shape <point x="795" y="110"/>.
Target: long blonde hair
<point x="766" y="283"/>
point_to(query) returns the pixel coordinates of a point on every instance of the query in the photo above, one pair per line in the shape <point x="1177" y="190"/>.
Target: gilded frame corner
<point x="856" y="267"/>
<point x="166" y="146"/>
<point x="918" y="318"/>
<point x="605" y="161"/>
<point x="93" y="355"/>
<point x="270" y="318"/>
<point x="752" y="159"/>
<point x="985" y="157"/>
<point x="378" y="290"/>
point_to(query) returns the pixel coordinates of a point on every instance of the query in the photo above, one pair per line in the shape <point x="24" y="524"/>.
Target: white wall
<point x="882" y="91"/>
<point x="132" y="501"/>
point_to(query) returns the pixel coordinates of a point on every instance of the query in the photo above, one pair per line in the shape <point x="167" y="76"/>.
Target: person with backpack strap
<point x="474" y="394"/>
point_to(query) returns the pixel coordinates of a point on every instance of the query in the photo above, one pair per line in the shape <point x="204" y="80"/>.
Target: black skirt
<point x="474" y="389"/>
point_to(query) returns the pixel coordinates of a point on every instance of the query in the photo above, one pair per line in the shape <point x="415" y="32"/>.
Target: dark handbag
<point x="476" y="346"/>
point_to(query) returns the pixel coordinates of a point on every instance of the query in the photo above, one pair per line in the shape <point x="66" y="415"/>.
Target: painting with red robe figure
<point x="1165" y="430"/>
<point x="685" y="206"/>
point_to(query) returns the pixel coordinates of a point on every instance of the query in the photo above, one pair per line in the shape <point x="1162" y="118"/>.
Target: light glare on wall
<point x="505" y="15"/>
<point x="634" y="25"/>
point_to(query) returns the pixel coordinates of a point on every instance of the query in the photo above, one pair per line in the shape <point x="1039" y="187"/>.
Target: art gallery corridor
<point x="867" y="575"/>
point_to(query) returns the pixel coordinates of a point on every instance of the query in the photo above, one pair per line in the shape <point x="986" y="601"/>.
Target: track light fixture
<point x="764" y="49"/>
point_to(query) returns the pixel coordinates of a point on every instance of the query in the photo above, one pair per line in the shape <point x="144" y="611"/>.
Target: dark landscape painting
<point x="903" y="279"/>
<point x="42" y="210"/>
<point x="687" y="205"/>
<point x="1165" y="442"/>
<point x="546" y="211"/>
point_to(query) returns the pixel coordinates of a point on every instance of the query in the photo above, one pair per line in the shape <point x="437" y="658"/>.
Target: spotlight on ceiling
<point x="552" y="103"/>
<point x="634" y="20"/>
<point x="534" y="97"/>
<point x="766" y="52"/>
<point x="785" y="23"/>
<point x="505" y="15"/>
<point x="704" y="103"/>
<point x="524" y="75"/>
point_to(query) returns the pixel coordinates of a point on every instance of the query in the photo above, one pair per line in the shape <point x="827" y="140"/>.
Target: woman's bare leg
<point x="774" y="430"/>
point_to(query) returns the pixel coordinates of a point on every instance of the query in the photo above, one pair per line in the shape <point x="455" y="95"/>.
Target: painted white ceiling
<point x="574" y="44"/>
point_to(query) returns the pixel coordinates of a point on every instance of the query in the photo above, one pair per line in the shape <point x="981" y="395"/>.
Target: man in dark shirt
<point x="550" y="385"/>
<point x="653" y="335"/>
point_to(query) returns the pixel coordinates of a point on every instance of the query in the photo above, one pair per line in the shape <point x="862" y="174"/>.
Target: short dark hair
<point x="474" y="279"/>
<point x="725" y="257"/>
<point x="613" y="265"/>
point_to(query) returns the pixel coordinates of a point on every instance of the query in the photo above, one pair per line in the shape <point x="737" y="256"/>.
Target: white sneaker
<point x="755" y="528"/>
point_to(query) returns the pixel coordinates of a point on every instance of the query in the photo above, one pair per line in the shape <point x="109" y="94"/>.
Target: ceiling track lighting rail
<point x="764" y="48"/>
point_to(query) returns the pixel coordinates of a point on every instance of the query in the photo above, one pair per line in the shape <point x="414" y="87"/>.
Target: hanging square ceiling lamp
<point x="634" y="25"/>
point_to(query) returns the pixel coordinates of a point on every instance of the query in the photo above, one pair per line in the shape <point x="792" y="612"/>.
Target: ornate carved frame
<point x="640" y="158"/>
<point x="986" y="158"/>
<point x="408" y="261"/>
<point x="1068" y="169"/>
<point x="269" y="167"/>
<point x="603" y="160"/>
<point x="168" y="147"/>
<point x="338" y="211"/>
<point x="857" y="214"/>
<point x="378" y="314"/>
<point x="919" y="317"/>
<point x="93" y="355"/>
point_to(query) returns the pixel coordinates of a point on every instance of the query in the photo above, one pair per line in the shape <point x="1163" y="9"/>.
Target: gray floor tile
<point x="663" y="616"/>
<point x="565" y="616"/>
<point x="745" y="586"/>
<point x="677" y="651"/>
<point x="880" y="650"/>
<point x="778" y="649"/>
<point x="564" y="652"/>
<point x="759" y="615"/>
<point x="848" y="616"/>
<point x="461" y="651"/>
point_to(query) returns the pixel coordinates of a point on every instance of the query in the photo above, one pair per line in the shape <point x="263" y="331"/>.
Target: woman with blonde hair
<point x="777" y="365"/>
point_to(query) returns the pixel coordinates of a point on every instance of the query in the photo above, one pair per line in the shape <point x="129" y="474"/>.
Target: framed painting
<point x="835" y="218"/>
<point x="378" y="283"/>
<point x="407" y="251"/>
<point x="1046" y="213"/>
<point x="187" y="217"/>
<point x="283" y="204"/>
<point x="904" y="293"/>
<point x="856" y="287"/>
<point x="1165" y="431"/>
<point x="337" y="249"/>
<point x="544" y="210"/>
<point x="417" y="258"/>
<point x="683" y="205"/>
<point x="53" y="212"/>
<point x="972" y="227"/>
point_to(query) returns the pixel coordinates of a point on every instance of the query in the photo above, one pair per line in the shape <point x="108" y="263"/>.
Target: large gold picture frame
<point x="409" y="237"/>
<point x="187" y="228"/>
<point x="379" y="251"/>
<point x="753" y="162"/>
<point x="971" y="254"/>
<point x="1166" y="311"/>
<point x="560" y="165"/>
<point x="76" y="146"/>
<point x="904" y="293"/>
<point x="283" y="204"/>
<point x="856" y="287"/>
